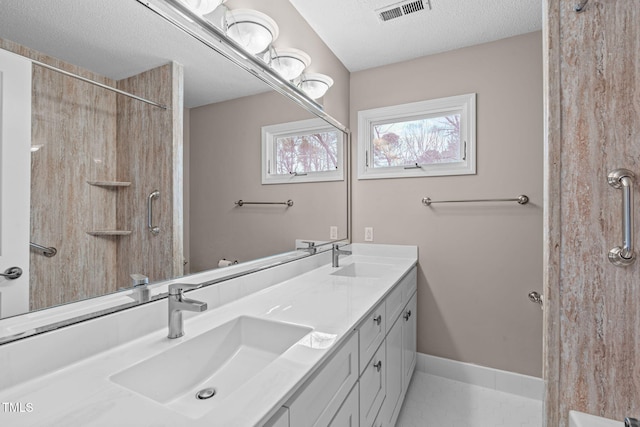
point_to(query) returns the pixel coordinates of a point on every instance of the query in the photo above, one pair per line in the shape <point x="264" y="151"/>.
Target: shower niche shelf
<point x="109" y="184"/>
<point x="109" y="232"/>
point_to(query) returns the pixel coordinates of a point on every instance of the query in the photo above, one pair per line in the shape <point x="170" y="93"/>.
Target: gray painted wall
<point x="477" y="261"/>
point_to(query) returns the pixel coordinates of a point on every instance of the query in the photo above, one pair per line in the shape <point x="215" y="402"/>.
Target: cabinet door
<point x="391" y="405"/>
<point x="372" y="387"/>
<point x="348" y="415"/>
<point x="319" y="400"/>
<point x="371" y="333"/>
<point x="409" y="341"/>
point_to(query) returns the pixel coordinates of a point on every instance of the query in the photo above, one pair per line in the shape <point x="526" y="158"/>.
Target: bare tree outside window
<point x="425" y="141"/>
<point x="302" y="151"/>
<point x="434" y="137"/>
<point x="315" y="152"/>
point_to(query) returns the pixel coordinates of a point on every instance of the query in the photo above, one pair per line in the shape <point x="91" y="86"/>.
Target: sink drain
<point x="206" y="393"/>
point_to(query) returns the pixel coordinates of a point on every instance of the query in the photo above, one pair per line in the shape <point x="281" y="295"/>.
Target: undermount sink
<point x="361" y="269"/>
<point x="222" y="359"/>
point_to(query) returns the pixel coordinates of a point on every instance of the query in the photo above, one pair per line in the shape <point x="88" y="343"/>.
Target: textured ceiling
<point x="120" y="38"/>
<point x="352" y="30"/>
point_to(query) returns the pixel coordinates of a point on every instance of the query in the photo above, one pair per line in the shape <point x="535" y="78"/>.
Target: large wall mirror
<point x="124" y="189"/>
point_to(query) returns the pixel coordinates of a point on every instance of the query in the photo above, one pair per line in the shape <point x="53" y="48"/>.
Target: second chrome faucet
<point x="335" y="254"/>
<point x="177" y="304"/>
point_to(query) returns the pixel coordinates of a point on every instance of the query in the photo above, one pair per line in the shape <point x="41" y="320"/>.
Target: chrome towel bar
<point x="241" y="202"/>
<point x="521" y="199"/>
<point x="48" y="252"/>
<point x="623" y="179"/>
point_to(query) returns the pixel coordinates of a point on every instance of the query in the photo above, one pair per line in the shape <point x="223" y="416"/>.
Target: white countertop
<point x="82" y="394"/>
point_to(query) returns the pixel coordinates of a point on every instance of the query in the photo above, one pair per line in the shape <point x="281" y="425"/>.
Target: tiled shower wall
<point x="150" y="155"/>
<point x="76" y="128"/>
<point x="592" y="321"/>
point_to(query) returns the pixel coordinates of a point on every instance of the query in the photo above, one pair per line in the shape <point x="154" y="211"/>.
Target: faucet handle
<point x="139" y="279"/>
<point x="177" y="288"/>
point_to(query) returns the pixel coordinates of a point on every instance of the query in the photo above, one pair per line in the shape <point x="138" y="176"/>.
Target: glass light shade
<point x="288" y="62"/>
<point x="251" y="29"/>
<point x="202" y="7"/>
<point x="315" y="85"/>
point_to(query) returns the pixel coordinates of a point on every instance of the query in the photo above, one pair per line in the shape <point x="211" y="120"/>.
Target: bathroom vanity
<point x="299" y="344"/>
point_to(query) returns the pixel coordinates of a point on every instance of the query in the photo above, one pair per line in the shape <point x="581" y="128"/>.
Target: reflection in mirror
<point x="127" y="191"/>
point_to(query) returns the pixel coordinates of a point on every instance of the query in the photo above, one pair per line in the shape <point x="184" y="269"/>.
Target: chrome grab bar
<point x="624" y="255"/>
<point x="48" y="252"/>
<point x="155" y="230"/>
<point x="581" y="6"/>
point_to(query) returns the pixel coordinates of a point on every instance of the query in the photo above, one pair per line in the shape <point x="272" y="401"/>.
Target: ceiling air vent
<point x="397" y="10"/>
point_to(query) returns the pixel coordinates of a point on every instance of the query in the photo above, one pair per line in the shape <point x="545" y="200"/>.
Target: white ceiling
<point x="120" y="38"/>
<point x="352" y="30"/>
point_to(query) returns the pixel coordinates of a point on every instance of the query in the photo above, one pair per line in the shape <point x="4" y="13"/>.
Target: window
<point x="428" y="138"/>
<point x="303" y="151"/>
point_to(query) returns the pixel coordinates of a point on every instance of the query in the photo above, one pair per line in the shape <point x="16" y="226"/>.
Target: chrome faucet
<point x="141" y="291"/>
<point x="311" y="247"/>
<point x="177" y="304"/>
<point x="335" y="254"/>
<point x="631" y="422"/>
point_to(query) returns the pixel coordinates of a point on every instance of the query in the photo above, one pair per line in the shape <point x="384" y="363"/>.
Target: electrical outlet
<point x="368" y="234"/>
<point x="333" y="232"/>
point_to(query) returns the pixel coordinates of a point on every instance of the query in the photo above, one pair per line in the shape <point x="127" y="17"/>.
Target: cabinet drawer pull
<point x="407" y="315"/>
<point x="378" y="365"/>
<point x="378" y="319"/>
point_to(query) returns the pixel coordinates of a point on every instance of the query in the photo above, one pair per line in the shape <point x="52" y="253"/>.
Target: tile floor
<point x="433" y="401"/>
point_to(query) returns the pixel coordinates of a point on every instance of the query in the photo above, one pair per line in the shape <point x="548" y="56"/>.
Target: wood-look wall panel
<point x="149" y="155"/>
<point x="595" y="362"/>
<point x="75" y="125"/>
<point x="79" y="126"/>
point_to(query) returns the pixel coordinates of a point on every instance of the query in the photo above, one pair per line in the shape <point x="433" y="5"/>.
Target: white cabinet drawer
<point x="409" y="285"/>
<point x="349" y="413"/>
<point x="394" y="304"/>
<point x="280" y="419"/>
<point x="372" y="388"/>
<point x="317" y="402"/>
<point x="371" y="333"/>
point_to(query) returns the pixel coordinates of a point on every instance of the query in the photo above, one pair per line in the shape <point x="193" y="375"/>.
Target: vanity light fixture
<point x="202" y="7"/>
<point x="288" y="62"/>
<point x="252" y="30"/>
<point x="315" y="85"/>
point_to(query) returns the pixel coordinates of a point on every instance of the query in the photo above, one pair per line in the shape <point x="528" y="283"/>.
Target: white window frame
<point x="270" y="135"/>
<point x="465" y="105"/>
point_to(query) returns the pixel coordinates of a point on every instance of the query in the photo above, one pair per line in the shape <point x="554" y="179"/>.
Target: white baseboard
<point x="505" y="381"/>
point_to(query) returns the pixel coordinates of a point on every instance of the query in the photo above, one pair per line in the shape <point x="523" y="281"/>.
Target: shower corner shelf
<point x="109" y="232"/>
<point x="109" y="184"/>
